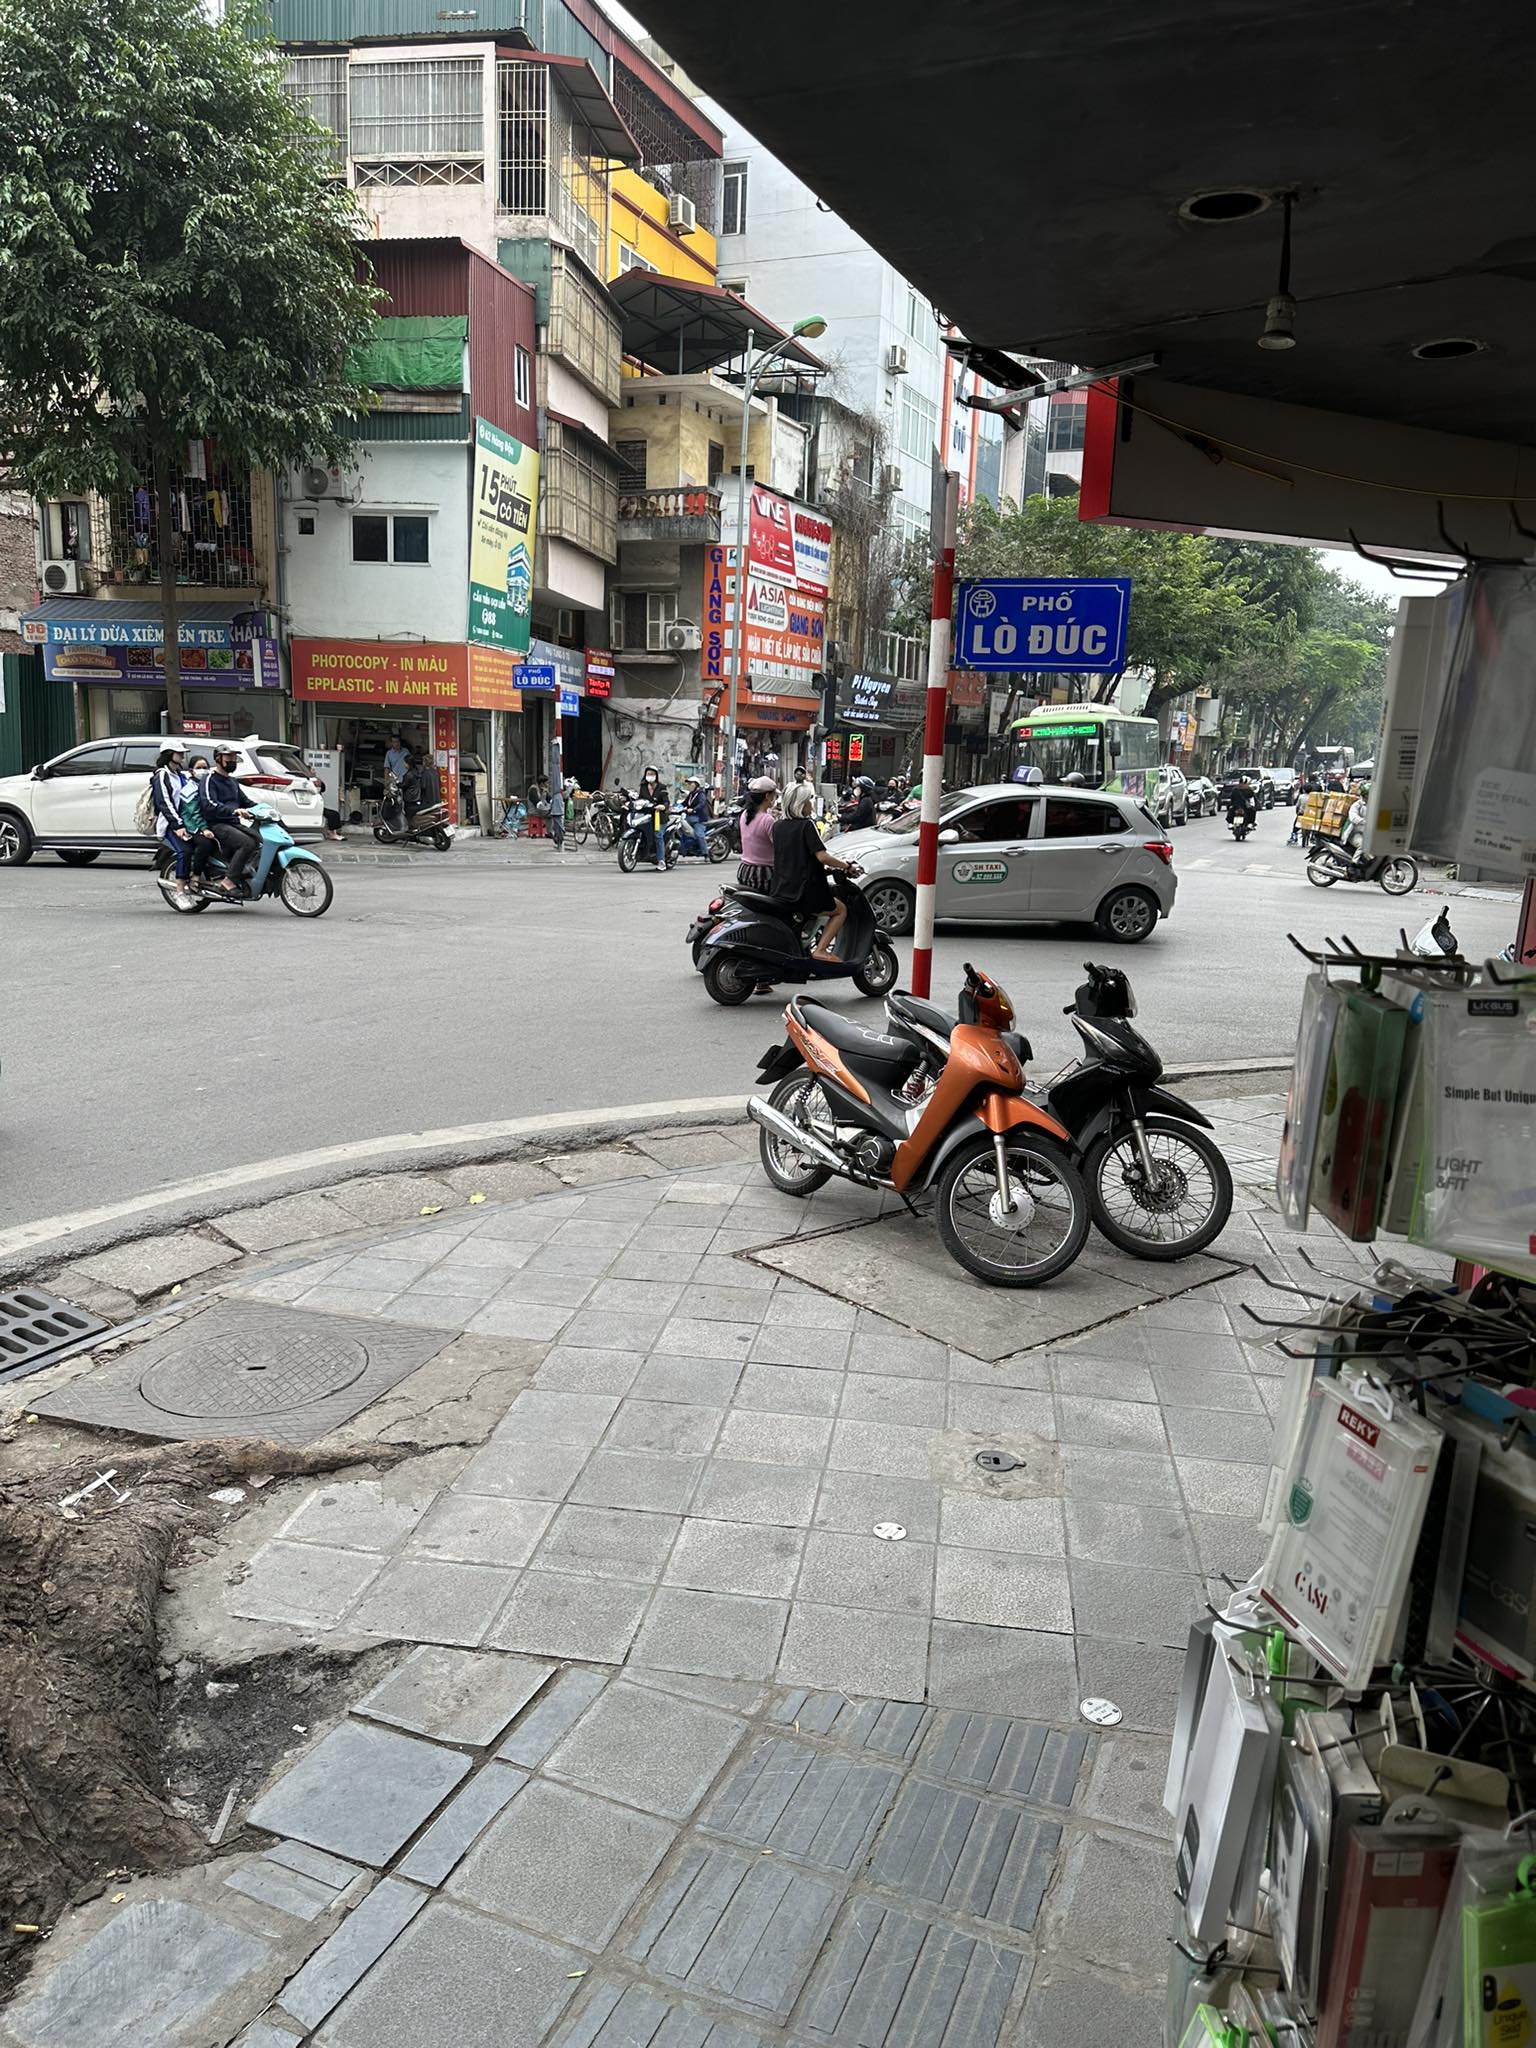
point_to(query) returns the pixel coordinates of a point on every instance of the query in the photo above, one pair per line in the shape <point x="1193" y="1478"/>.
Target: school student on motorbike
<point x="227" y="809"/>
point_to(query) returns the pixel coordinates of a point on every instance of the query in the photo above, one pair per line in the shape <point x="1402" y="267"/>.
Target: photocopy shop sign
<point x="1043" y="623"/>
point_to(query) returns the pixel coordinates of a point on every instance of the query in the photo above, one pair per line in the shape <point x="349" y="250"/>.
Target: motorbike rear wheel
<point x="383" y="834"/>
<point x="1195" y="1190"/>
<point x="879" y="972"/>
<point x="442" y="840"/>
<point x="726" y="981"/>
<point x="629" y="852"/>
<point x="798" y="1097"/>
<point x="1322" y="873"/>
<point x="1048" y="1228"/>
<point x="719" y="845"/>
<point x="674" y="849"/>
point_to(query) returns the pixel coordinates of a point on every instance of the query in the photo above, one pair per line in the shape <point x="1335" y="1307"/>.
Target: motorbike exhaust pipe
<point x="774" y="1120"/>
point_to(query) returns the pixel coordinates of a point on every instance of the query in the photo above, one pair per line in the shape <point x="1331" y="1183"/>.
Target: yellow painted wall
<point x="638" y="217"/>
<point x="678" y="437"/>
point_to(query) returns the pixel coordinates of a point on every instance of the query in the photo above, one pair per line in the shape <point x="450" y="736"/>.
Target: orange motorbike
<point x="1011" y="1206"/>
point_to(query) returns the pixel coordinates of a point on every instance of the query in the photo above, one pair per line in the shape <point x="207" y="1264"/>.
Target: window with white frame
<point x="733" y="209"/>
<point x="919" y="424"/>
<point x="399" y="537"/>
<point x="917" y="316"/>
<point x="1066" y="427"/>
<point x="738" y="285"/>
<point x="912" y="521"/>
<point x="902" y="655"/>
<point x="418" y="108"/>
<point x="522" y="374"/>
<point x="638" y="620"/>
<point x="631" y="259"/>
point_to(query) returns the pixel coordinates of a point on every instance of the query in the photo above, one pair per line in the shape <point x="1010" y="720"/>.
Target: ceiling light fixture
<point x="1280" y="313"/>
<point x="1238" y="202"/>
<point x="1448" y="348"/>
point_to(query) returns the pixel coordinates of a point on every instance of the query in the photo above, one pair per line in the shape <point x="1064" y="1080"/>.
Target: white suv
<point x="81" y="803"/>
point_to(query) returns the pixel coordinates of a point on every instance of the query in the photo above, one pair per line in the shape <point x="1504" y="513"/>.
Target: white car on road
<point x="1045" y="854"/>
<point x="81" y="803"/>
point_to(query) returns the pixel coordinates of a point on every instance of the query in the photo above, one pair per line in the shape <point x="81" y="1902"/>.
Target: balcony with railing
<point x="685" y="515"/>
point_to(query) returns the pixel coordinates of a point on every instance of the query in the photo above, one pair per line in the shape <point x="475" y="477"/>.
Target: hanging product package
<point x="1479" y="1988"/>
<point x="1321" y="1002"/>
<point x="1477" y="1175"/>
<point x="1393" y="1883"/>
<point x="1359" y="1109"/>
<point x="1358" y="1483"/>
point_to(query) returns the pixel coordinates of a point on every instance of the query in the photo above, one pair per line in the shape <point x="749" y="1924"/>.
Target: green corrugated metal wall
<point x="39" y="717"/>
<point x="530" y="261"/>
<point x="547" y="22"/>
<point x="414" y="426"/>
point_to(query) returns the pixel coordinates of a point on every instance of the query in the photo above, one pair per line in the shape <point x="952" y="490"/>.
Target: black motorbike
<point x="1329" y="862"/>
<point x="665" y="825"/>
<point x="1240" y="820"/>
<point x="1159" y="1188"/>
<point x="746" y="942"/>
<point x="397" y="826"/>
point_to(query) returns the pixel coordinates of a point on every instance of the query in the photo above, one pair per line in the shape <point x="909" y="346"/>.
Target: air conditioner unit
<point x="896" y="359"/>
<point x="316" y="481"/>
<point x="890" y="476"/>
<point x="682" y="214"/>
<point x="63" y="579"/>
<point x="565" y="626"/>
<point x="683" y="637"/>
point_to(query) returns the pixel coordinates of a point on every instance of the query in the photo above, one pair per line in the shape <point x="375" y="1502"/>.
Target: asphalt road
<point x="138" y="1048"/>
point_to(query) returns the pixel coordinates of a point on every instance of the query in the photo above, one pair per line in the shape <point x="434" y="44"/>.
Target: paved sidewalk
<point x="623" y="1791"/>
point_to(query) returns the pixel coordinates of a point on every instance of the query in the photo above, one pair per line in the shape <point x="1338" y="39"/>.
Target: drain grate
<point x="35" y="1326"/>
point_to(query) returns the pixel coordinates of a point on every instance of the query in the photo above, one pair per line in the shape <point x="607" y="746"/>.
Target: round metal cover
<point x="1102" y="1713"/>
<point x="998" y="1461"/>
<point x="890" y="1532"/>
<point x="233" y="1373"/>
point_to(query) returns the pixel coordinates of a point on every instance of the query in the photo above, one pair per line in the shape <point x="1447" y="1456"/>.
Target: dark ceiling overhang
<point x="1025" y="166"/>
<point x="682" y="328"/>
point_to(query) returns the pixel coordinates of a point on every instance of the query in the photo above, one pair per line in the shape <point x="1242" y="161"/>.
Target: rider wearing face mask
<point x="653" y="826"/>
<point x="226" y="807"/>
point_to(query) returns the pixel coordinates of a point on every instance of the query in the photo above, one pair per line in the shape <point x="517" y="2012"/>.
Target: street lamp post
<point x="803" y="330"/>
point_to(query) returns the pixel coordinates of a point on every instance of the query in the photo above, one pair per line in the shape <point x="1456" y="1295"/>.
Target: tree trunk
<point x="1320" y="711"/>
<point x="165" y="548"/>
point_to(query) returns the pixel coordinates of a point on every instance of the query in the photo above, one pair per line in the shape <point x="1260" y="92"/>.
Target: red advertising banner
<point x="773" y="535"/>
<point x="599" y="672"/>
<point x="493" y="674"/>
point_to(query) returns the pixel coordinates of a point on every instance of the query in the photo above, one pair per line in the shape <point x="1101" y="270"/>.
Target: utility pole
<point x="940" y="629"/>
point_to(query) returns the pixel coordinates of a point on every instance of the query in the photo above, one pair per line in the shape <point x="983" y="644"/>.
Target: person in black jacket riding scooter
<point x="227" y="808"/>
<point x="800" y="862"/>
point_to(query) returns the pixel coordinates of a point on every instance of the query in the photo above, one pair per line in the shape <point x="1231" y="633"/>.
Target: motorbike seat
<point x="917" y="1011"/>
<point x="758" y="899"/>
<point x="870" y="1053"/>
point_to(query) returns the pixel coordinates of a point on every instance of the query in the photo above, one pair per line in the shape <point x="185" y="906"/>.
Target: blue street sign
<point x="536" y="675"/>
<point x="1051" y="623"/>
<point x="570" y="704"/>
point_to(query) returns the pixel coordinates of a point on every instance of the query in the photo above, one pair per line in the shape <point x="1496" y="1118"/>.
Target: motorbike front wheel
<point x="1185" y="1208"/>
<point x="305" y="889"/>
<point x="719" y="846"/>
<point x="1400" y="876"/>
<point x="1038" y="1236"/>
<point x="629" y="852"/>
<point x="792" y="1172"/>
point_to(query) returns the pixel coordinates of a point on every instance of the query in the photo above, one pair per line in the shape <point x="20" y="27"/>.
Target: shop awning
<point x="779" y="704"/>
<point x="681" y="328"/>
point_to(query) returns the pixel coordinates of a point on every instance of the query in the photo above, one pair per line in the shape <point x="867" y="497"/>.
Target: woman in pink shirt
<point x="756" y="869"/>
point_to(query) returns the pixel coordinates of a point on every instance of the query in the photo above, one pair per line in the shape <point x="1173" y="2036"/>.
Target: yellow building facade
<point x="638" y="234"/>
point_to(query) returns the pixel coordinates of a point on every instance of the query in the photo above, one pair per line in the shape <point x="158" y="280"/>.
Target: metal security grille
<point x="211" y="528"/>
<point x="551" y="165"/>
<point x="581" y="495"/>
<point x="523" y="119"/>
<point x="418" y="109"/>
<point x="320" y="85"/>
<point x="582" y="329"/>
<point x="36" y="1326"/>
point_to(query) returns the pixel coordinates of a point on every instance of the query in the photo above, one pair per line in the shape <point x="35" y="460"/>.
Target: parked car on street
<point x="80" y="804"/>
<point x="1203" y="799"/>
<point x="1043" y="855"/>
<point x="1169" y="802"/>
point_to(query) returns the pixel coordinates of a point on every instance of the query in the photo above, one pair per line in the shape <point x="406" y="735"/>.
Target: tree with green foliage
<point x="176" y="260"/>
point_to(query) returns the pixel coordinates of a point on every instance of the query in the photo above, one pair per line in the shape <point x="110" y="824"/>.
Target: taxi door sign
<point x="980" y="871"/>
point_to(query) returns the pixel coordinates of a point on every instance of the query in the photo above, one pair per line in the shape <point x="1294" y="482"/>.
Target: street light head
<point x="809" y="330"/>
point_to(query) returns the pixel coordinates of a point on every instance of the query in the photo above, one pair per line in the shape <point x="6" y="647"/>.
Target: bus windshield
<point x="1104" y="753"/>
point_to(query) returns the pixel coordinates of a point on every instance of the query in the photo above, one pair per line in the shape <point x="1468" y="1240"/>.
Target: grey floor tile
<point x="995" y="1753"/>
<point x="1142" y="1679"/>
<point x="1229" y="1544"/>
<point x="891" y="1728"/>
<point x="879" y="1347"/>
<point x="356" y="1514"/>
<point x="490" y="1255"/>
<point x="1073" y="2006"/>
<point x="1029" y="1369"/>
<point x="609" y="1543"/>
<point x="302" y="1584"/>
<point x="523" y="1471"/>
<point x="789" y="1390"/>
<point x="460" y="1824"/>
<point x="426" y="1600"/>
<point x="979" y="1523"/>
<point x="1214" y="1486"/>
<point x="650" y="1264"/>
<point x="886" y="1397"/>
<point x="1102" y="1379"/>
<point x="713" y="1302"/>
<point x="647" y="1749"/>
<point x="702" y="1382"/>
<point x="736" y="1557"/>
<point x="619" y="2015"/>
<point x="1204" y="1350"/>
<point x="361" y="1792"/>
<point x="967" y="1854"/>
<point x="766" y="1439"/>
<point x="1144" y="1606"/>
<point x="345" y="1301"/>
<point x="1195" y="1311"/>
<point x="704" y="1337"/>
<point x="535" y="1320"/>
<point x="878" y="1655"/>
<point x="481" y="1528"/>
<point x="741" y="1928"/>
<point x="1092" y="1473"/>
<point x="570" y="1370"/>
<point x="734" y="1491"/>
<point x="1003" y="1588"/>
<point x="537" y="1417"/>
<point x="1194" y="1386"/>
<point x="436" y="1311"/>
<point x="1001" y="1411"/>
<point x="1244" y="1438"/>
<point x="637" y="1479"/>
<point x="858" y="1500"/>
<point x="1125" y="1786"/>
<point x="268" y="2033"/>
<point x="457" y="1977"/>
<point x="334" y="1871"/>
<point x="557" y="1709"/>
<point x="791" y="1800"/>
<point x="555" y="1290"/>
<point x="1003" y="1670"/>
<point x="452" y="1695"/>
<point x="903" y="1980"/>
<point x="456" y="1280"/>
<point x="804" y="1309"/>
<point x="1110" y="1905"/>
<point x="559" y="1861"/>
<point x="846" y="1570"/>
<point x="815" y="1348"/>
<point x="898" y="1448"/>
<point x="286" y="1891"/>
<point x="717" y="1635"/>
<point x="1110" y="1425"/>
<point x="636" y="1297"/>
<point x="675" y="1427"/>
<point x="714" y="1270"/>
<point x="341" y="1962"/>
<point x="1110" y="1533"/>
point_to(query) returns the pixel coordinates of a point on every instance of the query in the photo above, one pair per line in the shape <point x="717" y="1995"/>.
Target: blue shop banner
<point x="118" y="644"/>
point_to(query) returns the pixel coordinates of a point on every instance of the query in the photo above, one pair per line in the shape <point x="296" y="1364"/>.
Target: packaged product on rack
<point x="1303" y="1831"/>
<point x="1359" y="1108"/>
<point x="1338" y="1563"/>
<point x="1392" y="1889"/>
<point x="1320" y="1005"/>
<point x="1477" y="1174"/>
<point x="1479" y="1988"/>
<point x="1229" y="1781"/>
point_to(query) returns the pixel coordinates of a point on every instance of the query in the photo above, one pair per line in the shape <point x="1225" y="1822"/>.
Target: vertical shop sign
<point x="503" y="501"/>
<point x="445" y="752"/>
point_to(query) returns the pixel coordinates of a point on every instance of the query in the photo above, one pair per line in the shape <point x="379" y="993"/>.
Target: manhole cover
<point x="1102" y="1713"/>
<point x="235" y="1372"/>
<point x="998" y="1461"/>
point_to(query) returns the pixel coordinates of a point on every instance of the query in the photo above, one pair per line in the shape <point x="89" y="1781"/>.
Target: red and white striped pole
<point x="940" y="630"/>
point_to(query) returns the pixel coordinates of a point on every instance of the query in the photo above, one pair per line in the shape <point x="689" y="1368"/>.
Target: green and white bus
<point x="1092" y="743"/>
